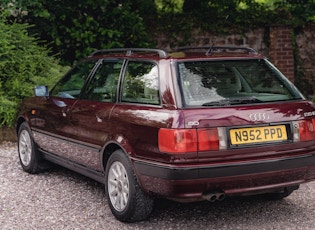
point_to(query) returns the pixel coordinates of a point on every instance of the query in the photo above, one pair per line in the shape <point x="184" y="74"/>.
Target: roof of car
<point x="181" y="53"/>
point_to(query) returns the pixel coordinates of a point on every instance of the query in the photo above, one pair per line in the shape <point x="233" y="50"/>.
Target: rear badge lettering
<point x="309" y="114"/>
<point x="192" y="123"/>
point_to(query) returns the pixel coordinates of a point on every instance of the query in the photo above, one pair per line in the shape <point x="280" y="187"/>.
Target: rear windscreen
<point x="211" y="83"/>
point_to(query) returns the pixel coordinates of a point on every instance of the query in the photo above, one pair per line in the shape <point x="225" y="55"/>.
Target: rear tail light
<point x="304" y="130"/>
<point x="208" y="139"/>
<point x="177" y="140"/>
<point x="188" y="140"/>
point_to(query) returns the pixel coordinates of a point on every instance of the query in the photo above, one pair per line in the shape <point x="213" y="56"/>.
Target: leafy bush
<point x="23" y="64"/>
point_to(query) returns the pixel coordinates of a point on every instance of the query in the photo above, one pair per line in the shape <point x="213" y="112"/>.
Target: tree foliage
<point x="178" y="18"/>
<point x="76" y="28"/>
<point x="243" y="14"/>
<point x="295" y="12"/>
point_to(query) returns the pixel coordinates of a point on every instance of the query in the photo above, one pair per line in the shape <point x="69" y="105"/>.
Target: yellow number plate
<point x="258" y="134"/>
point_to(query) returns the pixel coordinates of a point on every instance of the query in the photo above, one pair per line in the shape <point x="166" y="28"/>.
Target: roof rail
<point x="130" y="51"/>
<point x="220" y="49"/>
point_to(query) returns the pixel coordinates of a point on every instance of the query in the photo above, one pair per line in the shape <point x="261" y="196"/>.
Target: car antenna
<point x="213" y="42"/>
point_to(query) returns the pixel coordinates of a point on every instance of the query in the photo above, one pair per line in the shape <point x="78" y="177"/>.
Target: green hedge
<point x="24" y="63"/>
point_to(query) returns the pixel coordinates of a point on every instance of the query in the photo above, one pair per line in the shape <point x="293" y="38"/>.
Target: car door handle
<point x="65" y="111"/>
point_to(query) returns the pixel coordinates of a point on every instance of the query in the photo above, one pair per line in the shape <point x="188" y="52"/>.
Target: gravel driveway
<point x="60" y="199"/>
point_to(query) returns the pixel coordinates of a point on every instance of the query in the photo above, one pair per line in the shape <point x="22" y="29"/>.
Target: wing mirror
<point x="41" y="91"/>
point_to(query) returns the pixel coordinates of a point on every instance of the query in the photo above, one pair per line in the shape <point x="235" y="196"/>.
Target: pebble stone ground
<point x="61" y="199"/>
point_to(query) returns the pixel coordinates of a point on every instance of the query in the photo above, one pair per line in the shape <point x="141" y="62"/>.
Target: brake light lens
<point x="188" y="140"/>
<point x="306" y="128"/>
<point x="208" y="139"/>
<point x="177" y="140"/>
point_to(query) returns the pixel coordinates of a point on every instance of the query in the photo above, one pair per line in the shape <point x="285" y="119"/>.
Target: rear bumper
<point x="232" y="179"/>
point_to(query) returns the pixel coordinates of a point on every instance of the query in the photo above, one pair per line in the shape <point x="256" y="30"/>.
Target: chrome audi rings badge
<point x="259" y="117"/>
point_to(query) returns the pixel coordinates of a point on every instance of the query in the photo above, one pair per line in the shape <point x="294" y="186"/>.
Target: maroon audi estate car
<point x="195" y="124"/>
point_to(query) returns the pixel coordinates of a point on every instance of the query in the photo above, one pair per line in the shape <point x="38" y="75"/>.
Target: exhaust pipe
<point x="212" y="197"/>
<point x="220" y="196"/>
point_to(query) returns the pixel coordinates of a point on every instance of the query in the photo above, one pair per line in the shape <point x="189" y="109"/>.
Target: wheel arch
<point x="108" y="151"/>
<point x="118" y="141"/>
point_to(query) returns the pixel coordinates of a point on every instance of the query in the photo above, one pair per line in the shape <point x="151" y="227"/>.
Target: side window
<point x="71" y="84"/>
<point x="103" y="86"/>
<point x="140" y="83"/>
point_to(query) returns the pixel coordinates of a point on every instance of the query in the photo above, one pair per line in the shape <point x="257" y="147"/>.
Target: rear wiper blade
<point x="217" y="103"/>
<point x="244" y="100"/>
<point x="233" y="101"/>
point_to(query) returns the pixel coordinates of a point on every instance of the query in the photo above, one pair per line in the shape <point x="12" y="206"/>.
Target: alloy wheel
<point x="118" y="186"/>
<point x="25" y="148"/>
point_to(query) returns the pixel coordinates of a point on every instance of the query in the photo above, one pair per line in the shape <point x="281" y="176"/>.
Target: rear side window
<point x="71" y="84"/>
<point x="140" y="83"/>
<point x="218" y="83"/>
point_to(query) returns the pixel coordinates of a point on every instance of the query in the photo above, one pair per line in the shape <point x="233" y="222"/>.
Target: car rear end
<point x="242" y="128"/>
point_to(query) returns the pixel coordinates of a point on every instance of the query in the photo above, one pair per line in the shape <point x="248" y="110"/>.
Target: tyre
<point x="28" y="154"/>
<point x="126" y="199"/>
